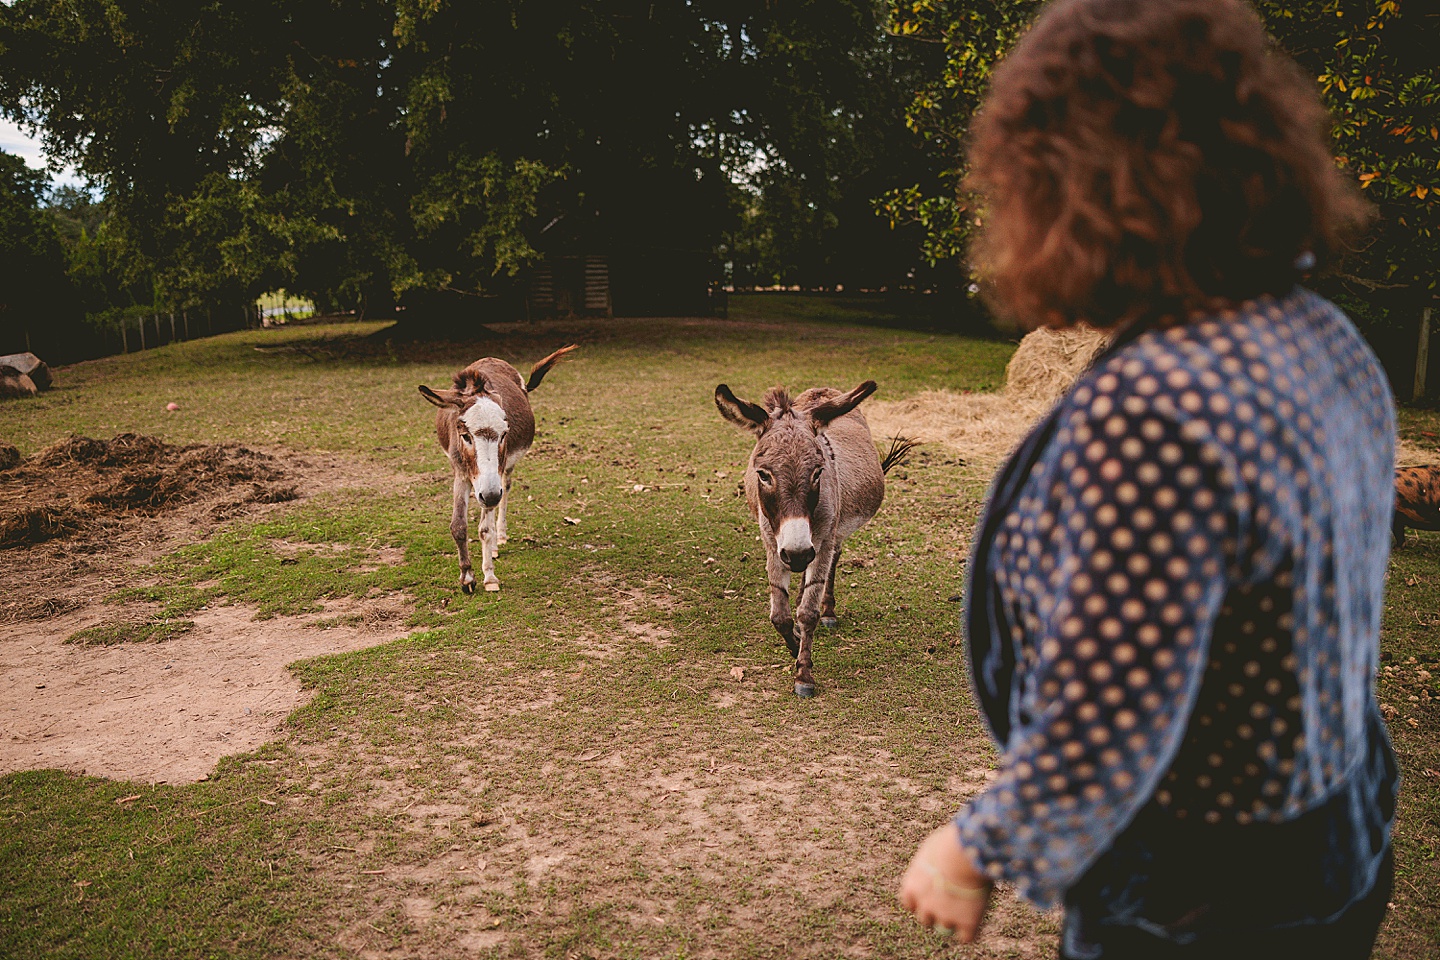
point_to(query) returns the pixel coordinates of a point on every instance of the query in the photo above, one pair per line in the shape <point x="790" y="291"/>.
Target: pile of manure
<point x="82" y="483"/>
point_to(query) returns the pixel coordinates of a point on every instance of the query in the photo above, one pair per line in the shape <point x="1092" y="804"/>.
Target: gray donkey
<point x="813" y="479"/>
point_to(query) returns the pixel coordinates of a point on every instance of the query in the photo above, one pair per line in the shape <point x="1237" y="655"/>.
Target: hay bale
<point x="1047" y="362"/>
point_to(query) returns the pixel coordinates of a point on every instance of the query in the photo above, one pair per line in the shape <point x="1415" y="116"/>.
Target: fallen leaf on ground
<point x="738" y="673"/>
<point x="572" y="521"/>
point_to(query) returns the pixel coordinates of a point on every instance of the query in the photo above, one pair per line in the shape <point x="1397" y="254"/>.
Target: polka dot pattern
<point x="1175" y="596"/>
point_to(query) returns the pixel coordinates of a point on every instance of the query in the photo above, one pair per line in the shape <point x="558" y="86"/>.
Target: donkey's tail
<point x="900" y="448"/>
<point x="537" y="372"/>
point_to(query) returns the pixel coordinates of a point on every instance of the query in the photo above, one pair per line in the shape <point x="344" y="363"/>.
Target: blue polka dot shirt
<point x="1174" y="605"/>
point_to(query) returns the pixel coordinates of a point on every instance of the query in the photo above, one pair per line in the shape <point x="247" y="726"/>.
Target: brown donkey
<point x="486" y="426"/>
<point x="813" y="479"/>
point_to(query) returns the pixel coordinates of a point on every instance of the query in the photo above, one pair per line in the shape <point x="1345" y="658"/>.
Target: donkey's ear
<point x="839" y="406"/>
<point x="742" y="413"/>
<point x="441" y="398"/>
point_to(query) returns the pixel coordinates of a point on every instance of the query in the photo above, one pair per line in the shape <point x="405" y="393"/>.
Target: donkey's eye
<point x="467" y="438"/>
<point x="765" y="477"/>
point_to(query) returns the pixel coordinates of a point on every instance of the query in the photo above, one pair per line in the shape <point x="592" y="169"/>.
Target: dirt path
<point x="163" y="712"/>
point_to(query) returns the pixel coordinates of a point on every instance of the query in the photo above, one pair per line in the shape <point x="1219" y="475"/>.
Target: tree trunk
<point x="140" y="325"/>
<point x="1422" y="355"/>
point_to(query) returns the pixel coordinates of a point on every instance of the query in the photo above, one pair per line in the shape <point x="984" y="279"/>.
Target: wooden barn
<point x="636" y="283"/>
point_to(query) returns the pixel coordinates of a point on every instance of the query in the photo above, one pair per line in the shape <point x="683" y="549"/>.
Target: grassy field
<point x="571" y="767"/>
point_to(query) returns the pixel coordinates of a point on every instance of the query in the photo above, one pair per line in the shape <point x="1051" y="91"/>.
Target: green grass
<point x="154" y="630"/>
<point x="580" y="733"/>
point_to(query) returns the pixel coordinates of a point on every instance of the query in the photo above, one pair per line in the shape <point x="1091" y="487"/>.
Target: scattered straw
<point x="81" y="483"/>
<point x="984" y="427"/>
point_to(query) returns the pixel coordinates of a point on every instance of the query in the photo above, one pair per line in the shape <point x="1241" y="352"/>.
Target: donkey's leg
<point x="502" y="535"/>
<point x="779" y="575"/>
<point x="807" y="615"/>
<point x="828" y="619"/>
<point x="460" y="530"/>
<point x="488" y="549"/>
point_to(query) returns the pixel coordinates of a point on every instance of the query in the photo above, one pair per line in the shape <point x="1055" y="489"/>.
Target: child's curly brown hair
<point x="1148" y="160"/>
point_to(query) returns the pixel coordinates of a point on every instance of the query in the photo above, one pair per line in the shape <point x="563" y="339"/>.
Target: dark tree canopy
<point x="422" y="150"/>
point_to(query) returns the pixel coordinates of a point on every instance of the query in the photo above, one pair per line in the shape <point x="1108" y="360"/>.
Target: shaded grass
<point x="581" y="733"/>
<point x="155" y="630"/>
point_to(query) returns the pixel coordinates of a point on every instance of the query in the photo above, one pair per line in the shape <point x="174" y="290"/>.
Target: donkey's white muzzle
<point x="489" y="492"/>
<point x="794" y="543"/>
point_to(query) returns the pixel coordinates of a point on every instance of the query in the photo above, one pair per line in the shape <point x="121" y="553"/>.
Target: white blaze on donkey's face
<point x="487" y="425"/>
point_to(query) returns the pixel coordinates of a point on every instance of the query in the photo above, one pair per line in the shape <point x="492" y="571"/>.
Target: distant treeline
<point x="386" y="153"/>
<point x="66" y="296"/>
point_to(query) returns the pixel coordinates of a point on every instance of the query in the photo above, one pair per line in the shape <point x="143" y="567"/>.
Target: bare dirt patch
<point x="166" y="712"/>
<point x="78" y="519"/>
<point x="684" y="841"/>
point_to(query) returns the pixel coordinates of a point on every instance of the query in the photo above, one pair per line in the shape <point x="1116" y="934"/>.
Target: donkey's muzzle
<point x="490" y="498"/>
<point x="797" y="560"/>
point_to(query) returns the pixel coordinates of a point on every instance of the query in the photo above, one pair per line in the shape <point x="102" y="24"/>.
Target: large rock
<point x="14" y="384"/>
<point x="30" y="365"/>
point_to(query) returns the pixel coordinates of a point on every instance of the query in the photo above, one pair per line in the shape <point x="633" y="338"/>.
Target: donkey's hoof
<point x="492" y="586"/>
<point x="467" y="586"/>
<point x="829" y="623"/>
<point x="804" y="690"/>
<point x="502" y="541"/>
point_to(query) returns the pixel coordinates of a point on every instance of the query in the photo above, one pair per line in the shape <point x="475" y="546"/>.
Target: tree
<point x="831" y="116"/>
<point x="32" y="260"/>
<point x="1373" y="60"/>
<point x="1375" y="63"/>
<point x="427" y="150"/>
<point x="973" y="37"/>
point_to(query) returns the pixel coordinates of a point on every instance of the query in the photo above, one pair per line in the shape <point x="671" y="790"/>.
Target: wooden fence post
<point x="124" y="337"/>
<point x="1422" y="354"/>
